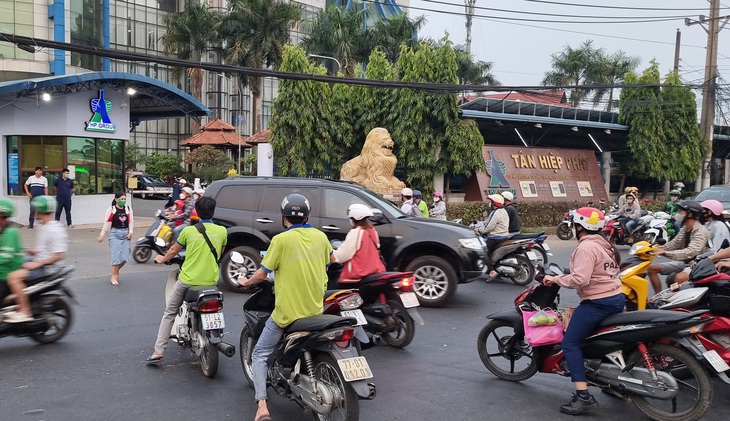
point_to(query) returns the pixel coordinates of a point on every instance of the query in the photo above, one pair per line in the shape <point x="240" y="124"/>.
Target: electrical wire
<point x="559" y="3"/>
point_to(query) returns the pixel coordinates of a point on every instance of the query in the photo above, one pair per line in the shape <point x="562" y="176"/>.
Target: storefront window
<point x="82" y="159"/>
<point x="86" y="29"/>
<point x="109" y="166"/>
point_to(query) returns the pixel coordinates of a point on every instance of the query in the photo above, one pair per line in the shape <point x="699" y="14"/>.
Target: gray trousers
<point x="264" y="347"/>
<point x="174" y="301"/>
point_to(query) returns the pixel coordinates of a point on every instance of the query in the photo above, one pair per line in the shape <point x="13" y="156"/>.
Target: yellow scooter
<point x="634" y="285"/>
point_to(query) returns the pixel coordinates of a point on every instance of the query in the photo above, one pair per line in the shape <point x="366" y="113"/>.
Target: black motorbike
<point x="52" y="314"/>
<point x="143" y="248"/>
<point x="314" y="364"/>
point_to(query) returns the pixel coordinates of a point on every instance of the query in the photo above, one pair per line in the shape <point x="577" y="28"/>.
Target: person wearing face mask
<point x="438" y="211"/>
<point x="187" y="210"/>
<point x="671" y="207"/>
<point x="496" y="229"/>
<point x="119" y="221"/>
<point x="689" y="242"/>
<point x="719" y="232"/>
<point x="630" y="213"/>
<point x="360" y="252"/>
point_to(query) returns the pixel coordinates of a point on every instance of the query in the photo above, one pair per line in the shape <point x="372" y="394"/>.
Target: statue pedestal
<point x="389" y="194"/>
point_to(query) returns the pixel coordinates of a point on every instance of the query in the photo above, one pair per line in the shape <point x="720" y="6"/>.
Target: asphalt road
<point x="97" y="372"/>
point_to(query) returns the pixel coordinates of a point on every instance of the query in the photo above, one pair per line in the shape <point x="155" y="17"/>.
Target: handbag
<point x="542" y="327"/>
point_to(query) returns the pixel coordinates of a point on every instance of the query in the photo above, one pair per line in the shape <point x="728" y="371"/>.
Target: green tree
<point x="205" y="155"/>
<point x="610" y="70"/>
<point x="133" y="155"/>
<point x="255" y="33"/>
<point x="339" y="33"/>
<point x="663" y="135"/>
<point x="301" y="122"/>
<point x="343" y="143"/>
<point x="474" y="72"/>
<point x="572" y="67"/>
<point x="189" y="35"/>
<point x="375" y="107"/>
<point x="163" y="164"/>
<point x="389" y="34"/>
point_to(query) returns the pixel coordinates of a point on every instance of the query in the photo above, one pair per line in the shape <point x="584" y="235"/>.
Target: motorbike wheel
<point x="542" y="256"/>
<point x="346" y="404"/>
<point x="59" y="316"/>
<point x="525" y="272"/>
<point x="436" y="280"/>
<point x="209" y="358"/>
<point x="141" y="254"/>
<point x="695" y="391"/>
<point x="405" y="328"/>
<point x="231" y="271"/>
<point x="505" y="347"/>
<point x="563" y="231"/>
<point x="245" y="345"/>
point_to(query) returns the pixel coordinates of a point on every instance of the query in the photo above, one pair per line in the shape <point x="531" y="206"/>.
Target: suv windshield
<point x="151" y="180"/>
<point x="721" y="195"/>
<point x="386" y="205"/>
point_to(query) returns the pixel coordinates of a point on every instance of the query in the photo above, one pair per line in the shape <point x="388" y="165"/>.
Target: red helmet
<point x="591" y="219"/>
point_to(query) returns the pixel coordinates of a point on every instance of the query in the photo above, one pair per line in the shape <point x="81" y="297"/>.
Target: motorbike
<point x="616" y="232"/>
<point x="639" y="356"/>
<point x="513" y="258"/>
<point x="52" y="314"/>
<point x="660" y="227"/>
<point x="199" y="324"/>
<point x="383" y="305"/>
<point x="144" y="246"/>
<point x="541" y="247"/>
<point x="564" y="231"/>
<point x="315" y="363"/>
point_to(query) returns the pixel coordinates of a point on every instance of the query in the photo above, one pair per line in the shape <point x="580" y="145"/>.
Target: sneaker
<point x="578" y="405"/>
<point x="16" y="317"/>
<point x="30" y="226"/>
<point x="70" y="225"/>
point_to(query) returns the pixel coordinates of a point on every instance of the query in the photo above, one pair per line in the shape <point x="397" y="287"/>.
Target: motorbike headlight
<point x="472" y="243"/>
<point x="350" y="303"/>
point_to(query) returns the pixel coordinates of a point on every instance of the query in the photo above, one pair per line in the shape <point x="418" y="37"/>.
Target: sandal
<point x="153" y="360"/>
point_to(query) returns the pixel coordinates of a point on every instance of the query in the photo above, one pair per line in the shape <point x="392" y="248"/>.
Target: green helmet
<point x="43" y="204"/>
<point x="675" y="192"/>
<point x="7" y="207"/>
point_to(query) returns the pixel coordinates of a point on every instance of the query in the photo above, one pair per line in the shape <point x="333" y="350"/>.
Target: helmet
<point x="713" y="206"/>
<point x="417" y="193"/>
<point x="679" y="185"/>
<point x="7" y="207"/>
<point x="508" y="196"/>
<point x="690" y="206"/>
<point x="635" y="189"/>
<point x="591" y="219"/>
<point x="295" y="205"/>
<point x="496" y="198"/>
<point x="358" y="212"/>
<point x="627" y="190"/>
<point x="406" y="192"/>
<point x="675" y="192"/>
<point x="188" y="190"/>
<point x="631" y="195"/>
<point x="437" y="194"/>
<point x="182" y="181"/>
<point x="43" y="204"/>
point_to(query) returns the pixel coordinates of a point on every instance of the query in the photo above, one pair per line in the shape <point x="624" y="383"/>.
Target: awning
<point x="152" y="100"/>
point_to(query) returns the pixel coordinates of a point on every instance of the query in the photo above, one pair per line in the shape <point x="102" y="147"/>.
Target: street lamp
<point x="326" y="58"/>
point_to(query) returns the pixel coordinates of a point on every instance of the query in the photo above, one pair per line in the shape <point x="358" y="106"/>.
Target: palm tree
<point x="610" y="70"/>
<point x="474" y="72"/>
<point x="389" y="34"/>
<point x="189" y="34"/>
<point x="339" y="33"/>
<point x="255" y="32"/>
<point x="571" y="67"/>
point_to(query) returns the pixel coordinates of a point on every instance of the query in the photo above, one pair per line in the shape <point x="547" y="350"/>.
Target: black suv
<point x="441" y="254"/>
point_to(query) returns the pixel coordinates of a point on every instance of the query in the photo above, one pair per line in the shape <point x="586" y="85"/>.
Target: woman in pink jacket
<point x="594" y="268"/>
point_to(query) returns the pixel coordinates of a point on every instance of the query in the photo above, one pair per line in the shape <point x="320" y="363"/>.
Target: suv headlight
<point x="472" y="243"/>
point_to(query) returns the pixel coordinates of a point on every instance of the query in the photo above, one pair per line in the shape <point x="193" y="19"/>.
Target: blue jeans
<point x="176" y="231"/>
<point x="264" y="347"/>
<point x="584" y="321"/>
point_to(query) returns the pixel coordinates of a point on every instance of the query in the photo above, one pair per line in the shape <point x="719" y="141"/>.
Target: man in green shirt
<point x="418" y="200"/>
<point x="199" y="269"/>
<point x="11" y="260"/>
<point x="299" y="258"/>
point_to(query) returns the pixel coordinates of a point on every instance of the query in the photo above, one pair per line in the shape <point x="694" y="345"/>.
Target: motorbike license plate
<point x="545" y="246"/>
<point x="355" y="369"/>
<point x="716" y="361"/>
<point x="409" y="299"/>
<point x="213" y="321"/>
<point x="355" y="314"/>
<point x="531" y="255"/>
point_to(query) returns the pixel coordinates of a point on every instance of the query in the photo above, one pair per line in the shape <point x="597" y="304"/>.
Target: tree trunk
<point x="622" y="185"/>
<point x="255" y="99"/>
<point x="610" y="100"/>
<point x="196" y="88"/>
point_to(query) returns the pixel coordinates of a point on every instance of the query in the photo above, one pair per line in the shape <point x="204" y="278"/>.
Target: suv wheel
<point x="230" y="271"/>
<point x="435" y="280"/>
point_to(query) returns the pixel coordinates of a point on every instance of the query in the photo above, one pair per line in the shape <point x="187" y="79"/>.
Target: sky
<point x="521" y="50"/>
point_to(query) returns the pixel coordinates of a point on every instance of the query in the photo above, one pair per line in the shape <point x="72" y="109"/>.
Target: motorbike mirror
<point x="663" y="241"/>
<point x="236" y="257"/>
<point x="159" y="242"/>
<point x="554" y="270"/>
<point x="725" y="244"/>
<point x="336" y="244"/>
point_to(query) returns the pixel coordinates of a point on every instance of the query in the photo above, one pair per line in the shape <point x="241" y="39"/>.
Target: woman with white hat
<point x="496" y="228"/>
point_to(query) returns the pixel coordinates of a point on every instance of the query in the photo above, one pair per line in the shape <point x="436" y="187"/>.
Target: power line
<point x="614" y="7"/>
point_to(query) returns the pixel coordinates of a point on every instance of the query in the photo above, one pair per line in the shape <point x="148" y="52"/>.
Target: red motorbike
<point x="638" y="355"/>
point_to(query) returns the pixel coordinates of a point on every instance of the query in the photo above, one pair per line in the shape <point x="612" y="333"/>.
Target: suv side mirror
<point x="377" y="218"/>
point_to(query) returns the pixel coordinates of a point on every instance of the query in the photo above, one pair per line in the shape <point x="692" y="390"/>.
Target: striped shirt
<point x="37" y="185"/>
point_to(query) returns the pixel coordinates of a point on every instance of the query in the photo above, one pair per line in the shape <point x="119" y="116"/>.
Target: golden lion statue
<point x="375" y="165"/>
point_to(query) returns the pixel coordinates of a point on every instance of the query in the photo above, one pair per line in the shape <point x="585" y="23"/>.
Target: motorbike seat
<point x="659" y="316"/>
<point x="644" y="212"/>
<point x="331" y="292"/>
<point x="383" y="275"/>
<point x="524" y="236"/>
<point x="193" y="293"/>
<point x="318" y="323"/>
<point x="61" y="272"/>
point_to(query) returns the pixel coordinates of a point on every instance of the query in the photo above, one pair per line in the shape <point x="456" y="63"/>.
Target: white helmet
<point x="496" y="198"/>
<point x="508" y="196"/>
<point x="407" y="192"/>
<point x="358" y="212"/>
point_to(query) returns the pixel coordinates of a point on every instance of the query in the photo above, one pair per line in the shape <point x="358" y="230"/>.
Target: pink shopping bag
<point x="542" y="327"/>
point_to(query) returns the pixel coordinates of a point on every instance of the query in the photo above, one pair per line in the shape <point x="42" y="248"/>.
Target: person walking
<point x="64" y="188"/>
<point x="119" y="221"/>
<point x="36" y="185"/>
<point x="439" y="206"/>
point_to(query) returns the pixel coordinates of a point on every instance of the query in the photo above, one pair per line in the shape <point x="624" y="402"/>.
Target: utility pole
<point x="469" y="4"/>
<point x="676" y="51"/>
<point x="707" y="117"/>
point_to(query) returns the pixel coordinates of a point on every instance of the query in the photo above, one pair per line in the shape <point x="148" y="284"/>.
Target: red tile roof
<point x="217" y="132"/>
<point x="264" y="136"/>
<point x="547" y="97"/>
